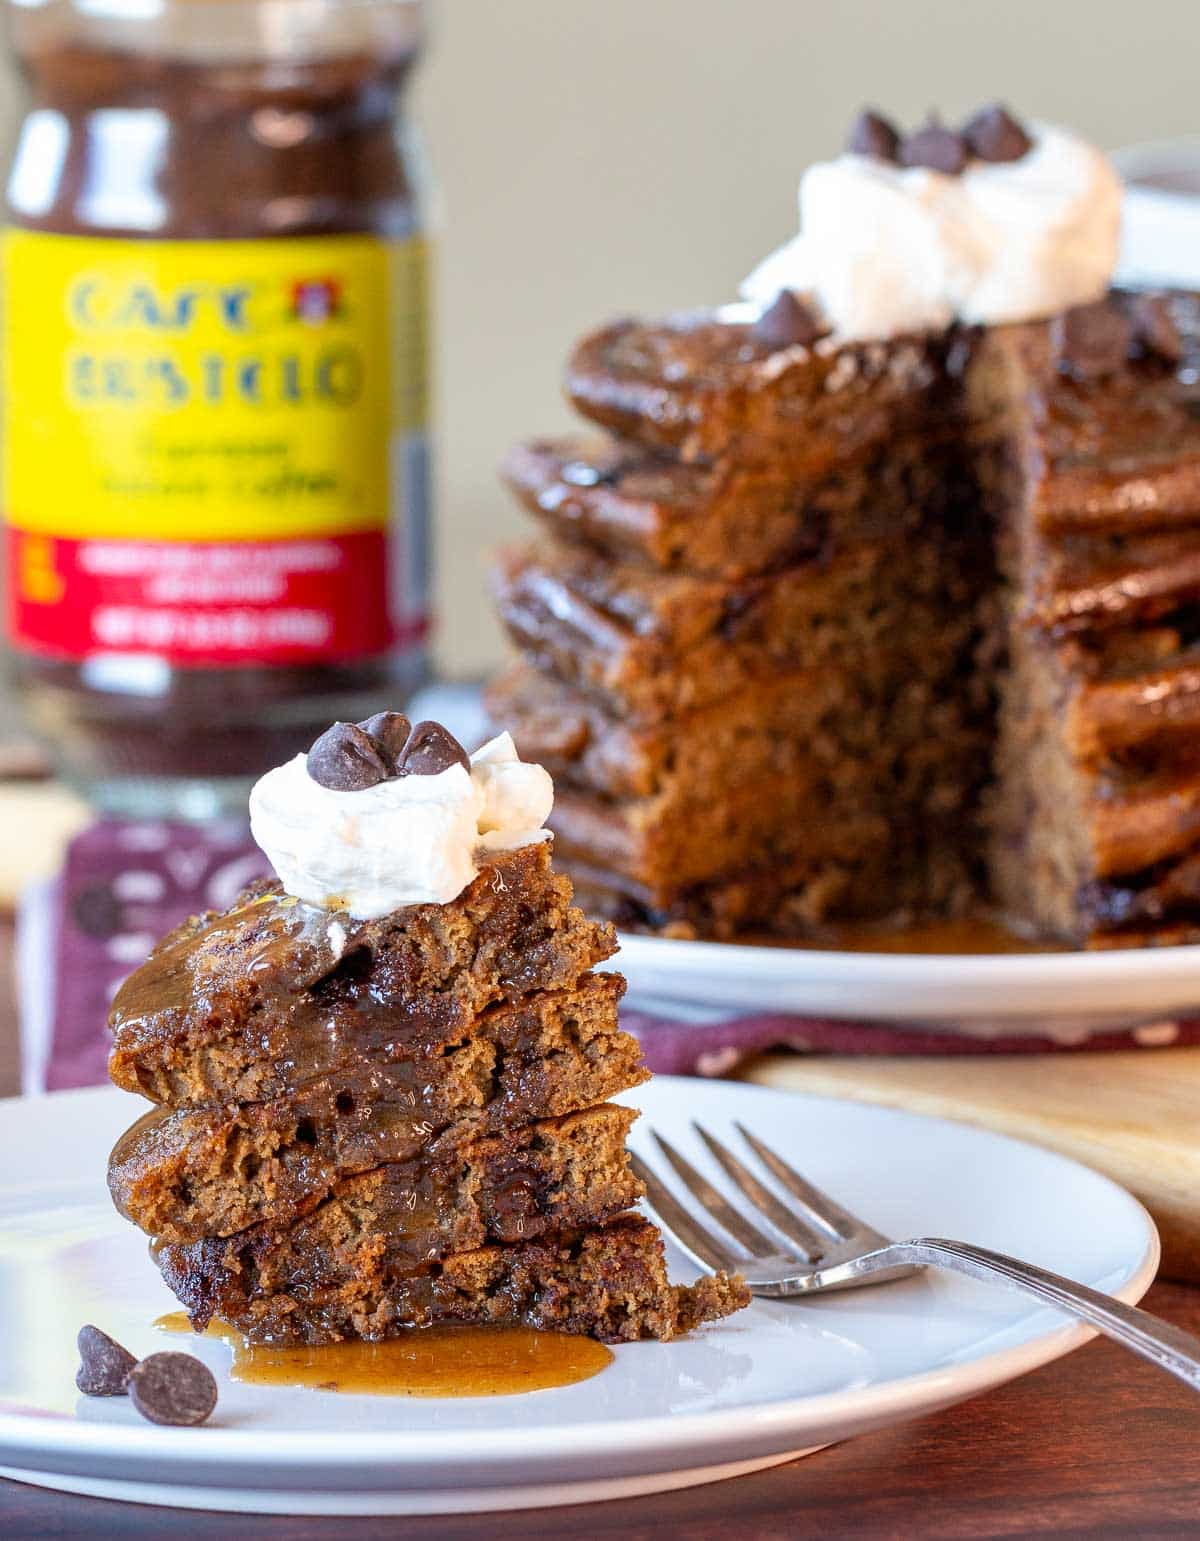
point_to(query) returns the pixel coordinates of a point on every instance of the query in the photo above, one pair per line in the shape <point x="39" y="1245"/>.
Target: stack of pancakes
<point x="818" y="632"/>
<point x="366" y="1125"/>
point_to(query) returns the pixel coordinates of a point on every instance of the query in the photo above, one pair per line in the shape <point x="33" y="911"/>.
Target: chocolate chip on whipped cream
<point x="416" y="834"/>
<point x="430" y="749"/>
<point x="994" y="135"/>
<point x="346" y="758"/>
<point x="391" y="730"/>
<point x="934" y="147"/>
<point x="871" y="134"/>
<point x="787" y="323"/>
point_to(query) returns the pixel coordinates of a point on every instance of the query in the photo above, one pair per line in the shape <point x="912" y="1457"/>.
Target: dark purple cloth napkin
<point x="717" y="1048"/>
<point x="123" y="885"/>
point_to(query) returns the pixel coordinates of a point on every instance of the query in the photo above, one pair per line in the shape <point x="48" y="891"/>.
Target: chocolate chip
<point x="1091" y="341"/>
<point x="935" y="147"/>
<point x="104" y="1366"/>
<point x="430" y="750"/>
<point x="871" y="134"/>
<point x="173" y="1388"/>
<point x="993" y="134"/>
<point x="97" y="911"/>
<point x="390" y="731"/>
<point x="514" y="1204"/>
<point x="787" y="322"/>
<point x="1154" y="328"/>
<point x="346" y="759"/>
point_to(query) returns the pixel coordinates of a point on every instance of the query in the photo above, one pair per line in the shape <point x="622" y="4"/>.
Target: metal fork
<point x="810" y="1244"/>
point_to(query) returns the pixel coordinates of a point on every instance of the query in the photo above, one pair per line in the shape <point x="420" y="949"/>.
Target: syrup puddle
<point x="420" y="1362"/>
<point x="972" y="935"/>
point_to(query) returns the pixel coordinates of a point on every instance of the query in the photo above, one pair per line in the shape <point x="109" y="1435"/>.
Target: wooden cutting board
<point x="1132" y="1115"/>
<point x="38" y="819"/>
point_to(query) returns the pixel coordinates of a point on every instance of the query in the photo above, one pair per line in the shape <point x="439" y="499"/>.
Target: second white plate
<point x="1064" y="995"/>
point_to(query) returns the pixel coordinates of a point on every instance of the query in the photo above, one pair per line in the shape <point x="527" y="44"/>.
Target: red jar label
<point x="204" y="603"/>
<point x="214" y="451"/>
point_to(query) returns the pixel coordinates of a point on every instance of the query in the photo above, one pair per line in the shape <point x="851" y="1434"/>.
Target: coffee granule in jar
<point x="213" y="357"/>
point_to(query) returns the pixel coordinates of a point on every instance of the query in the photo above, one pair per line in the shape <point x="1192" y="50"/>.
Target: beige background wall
<point x="599" y="156"/>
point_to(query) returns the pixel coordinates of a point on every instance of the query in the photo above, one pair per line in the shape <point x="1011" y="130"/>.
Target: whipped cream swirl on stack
<point x="370" y="821"/>
<point x="890" y="243"/>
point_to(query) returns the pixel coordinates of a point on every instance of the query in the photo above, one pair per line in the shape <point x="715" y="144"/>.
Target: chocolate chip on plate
<point x="104" y="1366"/>
<point x="787" y="322"/>
<point x="390" y="730"/>
<point x="1154" y="328"/>
<point x="993" y="134"/>
<point x="934" y="147"/>
<point x="430" y="750"/>
<point x="347" y="759"/>
<point x="173" y="1388"/>
<point x="871" y="134"/>
<point x="1091" y="341"/>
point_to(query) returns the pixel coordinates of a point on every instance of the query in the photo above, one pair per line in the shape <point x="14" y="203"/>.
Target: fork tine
<point x="686" y="1230"/>
<point x="813" y="1244"/>
<point x="837" y="1221"/>
<point x="715" y="1202"/>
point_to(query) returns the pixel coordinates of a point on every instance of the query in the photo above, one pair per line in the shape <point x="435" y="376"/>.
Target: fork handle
<point x="1165" y="1345"/>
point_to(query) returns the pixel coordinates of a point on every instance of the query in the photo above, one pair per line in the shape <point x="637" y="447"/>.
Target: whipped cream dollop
<point x="885" y="249"/>
<point x="409" y="840"/>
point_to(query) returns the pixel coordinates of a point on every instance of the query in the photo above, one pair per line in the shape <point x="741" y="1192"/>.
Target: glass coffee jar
<point x="214" y="456"/>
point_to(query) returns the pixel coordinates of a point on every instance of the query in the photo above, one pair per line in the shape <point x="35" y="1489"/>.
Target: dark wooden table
<point x="1097" y="1445"/>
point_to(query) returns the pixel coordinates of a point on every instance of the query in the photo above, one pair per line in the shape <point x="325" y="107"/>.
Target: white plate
<point x="1160" y="222"/>
<point x="774" y="1381"/>
<point x="1066" y="995"/>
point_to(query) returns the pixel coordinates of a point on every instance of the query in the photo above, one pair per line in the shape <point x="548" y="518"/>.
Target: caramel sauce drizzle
<point x="968" y="935"/>
<point x="441" y="1361"/>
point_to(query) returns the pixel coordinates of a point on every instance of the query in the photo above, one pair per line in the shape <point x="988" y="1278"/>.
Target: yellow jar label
<point x="213" y="395"/>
